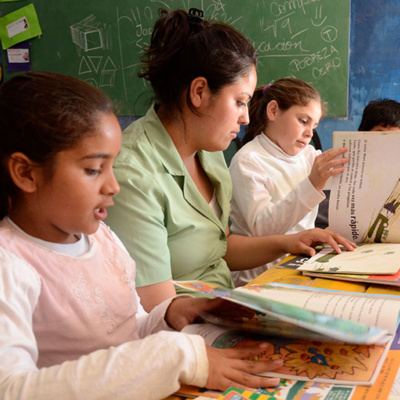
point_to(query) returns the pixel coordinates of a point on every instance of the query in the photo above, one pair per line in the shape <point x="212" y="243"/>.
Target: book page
<point x="365" y="198"/>
<point x="367" y="258"/>
<point x="303" y="359"/>
<point x="362" y="308"/>
<point x="265" y="301"/>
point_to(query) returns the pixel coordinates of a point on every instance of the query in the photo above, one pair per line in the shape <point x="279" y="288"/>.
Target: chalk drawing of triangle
<point x="109" y="65"/>
<point x="84" y="67"/>
<point x="95" y="61"/>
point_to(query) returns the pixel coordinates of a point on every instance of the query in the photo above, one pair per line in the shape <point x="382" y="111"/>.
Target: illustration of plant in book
<point x="380" y="227"/>
<point x="309" y="360"/>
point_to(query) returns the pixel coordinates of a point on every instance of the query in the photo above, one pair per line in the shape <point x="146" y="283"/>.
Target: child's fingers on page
<point x="243" y="380"/>
<point x="338" y="161"/>
<point x="246" y="372"/>
<point x="335" y="240"/>
<point x="249" y="359"/>
<point x="258" y="367"/>
<point x="348" y="244"/>
<point x="243" y="374"/>
<point x="240" y="380"/>
<point x="336" y="152"/>
<point x="248" y="352"/>
<point x="331" y="154"/>
<point x="335" y="171"/>
<point x="227" y="367"/>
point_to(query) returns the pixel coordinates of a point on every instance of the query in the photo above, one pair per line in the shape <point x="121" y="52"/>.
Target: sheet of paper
<point x="18" y="57"/>
<point x="18" y="26"/>
<point x="367" y="259"/>
<point x="365" y="198"/>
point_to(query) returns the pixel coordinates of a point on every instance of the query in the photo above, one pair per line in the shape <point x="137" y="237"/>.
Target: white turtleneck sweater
<point x="272" y="194"/>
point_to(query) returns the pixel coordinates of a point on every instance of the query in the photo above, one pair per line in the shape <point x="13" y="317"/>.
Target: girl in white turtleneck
<point x="277" y="175"/>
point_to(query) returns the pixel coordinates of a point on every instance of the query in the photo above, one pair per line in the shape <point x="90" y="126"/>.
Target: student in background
<point x="173" y="209"/>
<point x="71" y="322"/>
<point x="381" y="115"/>
<point x="277" y="176"/>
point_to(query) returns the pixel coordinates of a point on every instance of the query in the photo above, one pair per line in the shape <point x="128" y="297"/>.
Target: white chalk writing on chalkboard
<point x="103" y="42"/>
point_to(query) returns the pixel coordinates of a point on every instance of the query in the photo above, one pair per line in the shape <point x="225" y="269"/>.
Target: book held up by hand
<point x="364" y="207"/>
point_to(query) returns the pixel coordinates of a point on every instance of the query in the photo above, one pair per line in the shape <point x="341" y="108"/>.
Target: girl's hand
<point x="187" y="310"/>
<point x="227" y="367"/>
<point x="326" y="165"/>
<point x="237" y="368"/>
<point x="305" y="241"/>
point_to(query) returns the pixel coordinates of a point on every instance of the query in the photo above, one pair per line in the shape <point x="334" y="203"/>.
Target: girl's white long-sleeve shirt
<point x="150" y="366"/>
<point x="272" y="193"/>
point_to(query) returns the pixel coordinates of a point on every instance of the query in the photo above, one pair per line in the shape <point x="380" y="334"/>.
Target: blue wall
<point x="374" y="65"/>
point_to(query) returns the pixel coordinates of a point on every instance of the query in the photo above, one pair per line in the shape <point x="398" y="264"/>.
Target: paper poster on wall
<point x="18" y="26"/>
<point x="18" y="57"/>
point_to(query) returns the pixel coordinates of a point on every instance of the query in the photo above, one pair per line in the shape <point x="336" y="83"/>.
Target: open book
<point x="322" y="335"/>
<point x="364" y="207"/>
<point x="347" y="267"/>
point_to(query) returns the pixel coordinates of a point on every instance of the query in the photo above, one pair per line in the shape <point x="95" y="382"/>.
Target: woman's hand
<point x="326" y="165"/>
<point x="305" y="241"/>
<point x="237" y="368"/>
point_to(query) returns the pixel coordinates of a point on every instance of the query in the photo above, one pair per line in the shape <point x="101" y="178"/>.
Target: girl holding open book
<point x="277" y="175"/>
<point x="72" y="326"/>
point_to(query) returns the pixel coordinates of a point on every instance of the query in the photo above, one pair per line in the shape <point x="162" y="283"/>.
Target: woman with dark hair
<point x="173" y="209"/>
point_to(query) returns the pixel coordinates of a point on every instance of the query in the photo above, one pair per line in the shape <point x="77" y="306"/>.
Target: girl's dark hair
<point x="183" y="48"/>
<point x="287" y="92"/>
<point x="41" y="114"/>
<point x="385" y="112"/>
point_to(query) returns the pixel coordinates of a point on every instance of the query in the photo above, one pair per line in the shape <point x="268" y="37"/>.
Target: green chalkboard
<point x="101" y="42"/>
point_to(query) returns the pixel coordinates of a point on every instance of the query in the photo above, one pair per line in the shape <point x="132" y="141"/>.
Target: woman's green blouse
<point x="161" y="217"/>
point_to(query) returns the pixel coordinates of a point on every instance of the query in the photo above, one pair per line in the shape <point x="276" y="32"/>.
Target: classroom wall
<point x="102" y="42"/>
<point x="374" y="65"/>
<point x="374" y="59"/>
